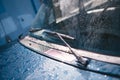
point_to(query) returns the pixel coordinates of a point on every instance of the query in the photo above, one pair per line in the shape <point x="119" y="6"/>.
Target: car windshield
<point x="93" y="23"/>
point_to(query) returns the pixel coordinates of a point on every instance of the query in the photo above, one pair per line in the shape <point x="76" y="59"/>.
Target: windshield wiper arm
<point x="80" y="59"/>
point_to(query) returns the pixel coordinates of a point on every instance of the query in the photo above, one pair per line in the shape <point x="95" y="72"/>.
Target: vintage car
<point x="82" y="34"/>
<point x="77" y="32"/>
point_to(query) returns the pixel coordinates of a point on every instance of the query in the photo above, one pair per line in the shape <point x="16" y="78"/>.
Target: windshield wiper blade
<point x="52" y="33"/>
<point x="63" y="35"/>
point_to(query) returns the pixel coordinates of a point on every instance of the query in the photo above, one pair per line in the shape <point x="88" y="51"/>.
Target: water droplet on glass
<point x="105" y="76"/>
<point x="98" y="69"/>
<point x="66" y="72"/>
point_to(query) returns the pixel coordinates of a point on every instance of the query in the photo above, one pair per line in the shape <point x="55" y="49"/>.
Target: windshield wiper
<point x="83" y="61"/>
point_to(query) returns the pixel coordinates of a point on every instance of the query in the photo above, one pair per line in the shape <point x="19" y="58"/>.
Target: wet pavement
<point x="19" y="63"/>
